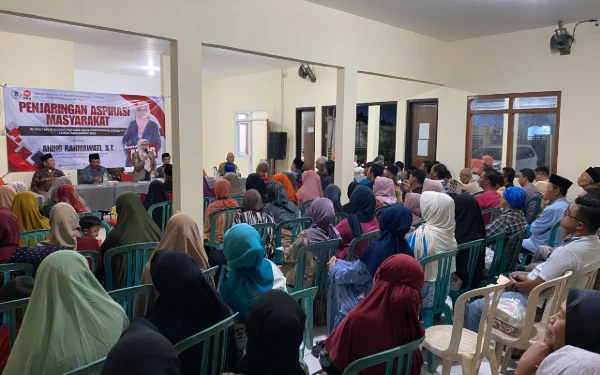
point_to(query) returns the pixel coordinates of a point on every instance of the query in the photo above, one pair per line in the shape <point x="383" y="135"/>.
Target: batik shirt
<point x="42" y="180"/>
<point x="512" y="221"/>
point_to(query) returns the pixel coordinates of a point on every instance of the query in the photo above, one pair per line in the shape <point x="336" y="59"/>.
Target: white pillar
<point x="373" y="132"/>
<point x="401" y="126"/>
<point x="186" y="117"/>
<point x="345" y="128"/>
<point x="165" y="91"/>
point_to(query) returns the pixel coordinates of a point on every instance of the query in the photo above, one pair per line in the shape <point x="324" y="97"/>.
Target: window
<point x="243" y="131"/>
<point x="515" y="130"/>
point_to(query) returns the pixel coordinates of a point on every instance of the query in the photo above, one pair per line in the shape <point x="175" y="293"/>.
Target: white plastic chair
<point x="582" y="281"/>
<point x="531" y="332"/>
<point x="465" y="346"/>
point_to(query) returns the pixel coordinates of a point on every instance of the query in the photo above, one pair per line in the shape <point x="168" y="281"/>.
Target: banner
<point x="73" y="124"/>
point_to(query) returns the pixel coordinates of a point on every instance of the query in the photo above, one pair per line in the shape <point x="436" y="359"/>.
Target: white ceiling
<point x="451" y="20"/>
<point x="116" y="53"/>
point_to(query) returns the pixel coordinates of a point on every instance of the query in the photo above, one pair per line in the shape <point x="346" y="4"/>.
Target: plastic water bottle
<point x="104" y="178"/>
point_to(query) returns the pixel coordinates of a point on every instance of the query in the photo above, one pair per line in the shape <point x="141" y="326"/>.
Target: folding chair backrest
<point x="167" y="212"/>
<point x="228" y="216"/>
<point x="306" y="298"/>
<point x="295" y="226"/>
<point x="305" y="207"/>
<point x="553" y="234"/>
<point x="214" y="342"/>
<point x="496" y="242"/>
<point x="475" y="249"/>
<point x="7" y="268"/>
<point x="98" y="214"/>
<point x="263" y="230"/>
<point x="580" y="281"/>
<point x="239" y="199"/>
<point x="10" y="311"/>
<point x="211" y="272"/>
<point x="89" y="369"/>
<point x="396" y="358"/>
<point x="126" y="297"/>
<point x="136" y="255"/>
<point x="532" y="209"/>
<point x="207" y="201"/>
<point x="339" y="216"/>
<point x="93" y="256"/>
<point x="34" y="237"/>
<point x="444" y="261"/>
<point x="379" y="210"/>
<point x="513" y="249"/>
<point x="492" y="212"/>
<point x="322" y="251"/>
<point x="418" y="224"/>
<point x="367" y="238"/>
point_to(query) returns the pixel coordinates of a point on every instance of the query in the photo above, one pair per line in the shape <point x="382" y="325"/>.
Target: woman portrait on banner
<point x="141" y="128"/>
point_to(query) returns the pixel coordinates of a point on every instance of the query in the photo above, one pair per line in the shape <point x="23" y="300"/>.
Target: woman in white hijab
<point x="143" y="161"/>
<point x="436" y="235"/>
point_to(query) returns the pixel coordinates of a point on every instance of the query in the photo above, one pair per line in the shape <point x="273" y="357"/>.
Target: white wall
<point x="116" y="83"/>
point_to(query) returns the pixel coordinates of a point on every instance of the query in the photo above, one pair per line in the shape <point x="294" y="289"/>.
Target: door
<point x="305" y="136"/>
<point x="421" y="131"/>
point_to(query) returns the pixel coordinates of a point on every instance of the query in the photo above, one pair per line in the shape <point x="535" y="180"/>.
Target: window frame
<point x="511" y="111"/>
<point x="249" y="139"/>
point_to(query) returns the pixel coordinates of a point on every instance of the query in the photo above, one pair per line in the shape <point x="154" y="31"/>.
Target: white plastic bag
<point x="510" y="316"/>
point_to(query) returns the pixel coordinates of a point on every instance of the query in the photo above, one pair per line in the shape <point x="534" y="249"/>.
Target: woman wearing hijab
<point x="142" y="128"/>
<point x="249" y="275"/>
<point x="70" y="321"/>
<point x="143" y="162"/>
<point x="334" y="194"/>
<point x="322" y="229"/>
<point x="292" y="178"/>
<point x="157" y="193"/>
<point x="275" y="328"/>
<point x="156" y="356"/>
<point x="66" y="194"/>
<point x="25" y="208"/>
<point x="236" y="188"/>
<point x="412" y="201"/>
<point x="186" y="305"/>
<point x="134" y="226"/>
<point x="386" y="318"/>
<point x="385" y="192"/>
<point x="222" y="201"/>
<point x="287" y="185"/>
<point x="7" y="196"/>
<point x="349" y="282"/>
<point x="254" y="214"/>
<point x="436" y="235"/>
<point x="279" y="205"/>
<point x="50" y="197"/>
<point x="576" y="324"/>
<point x="359" y="222"/>
<point x="348" y="206"/>
<point x="433" y="185"/>
<point x="254" y="181"/>
<point x="311" y="187"/>
<point x="469" y="227"/>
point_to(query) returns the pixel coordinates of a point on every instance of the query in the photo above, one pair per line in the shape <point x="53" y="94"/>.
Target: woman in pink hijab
<point x="433" y="185"/>
<point x="311" y="187"/>
<point x="385" y="192"/>
<point x="141" y="128"/>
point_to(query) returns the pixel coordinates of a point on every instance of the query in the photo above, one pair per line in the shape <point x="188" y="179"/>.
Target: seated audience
<point x="581" y="220"/>
<point x="297" y="166"/>
<point x="542" y="226"/>
<point x="50" y="197"/>
<point x="287" y="185"/>
<point x="70" y="321"/>
<point x="25" y="208"/>
<point x="93" y="173"/>
<point x="44" y="177"/>
<point x="279" y="206"/>
<point x="412" y="202"/>
<point x="222" y="201"/>
<point x="432" y="185"/>
<point x="375" y="171"/>
<point x="254" y="181"/>
<point x="590" y="177"/>
<point x="143" y="162"/>
<point x="320" y="166"/>
<point x="160" y="171"/>
<point x="328" y="174"/>
<point x="334" y="194"/>
<point x="249" y="275"/>
<point x="509" y="175"/>
<point x="385" y="192"/>
<point x="66" y="194"/>
<point x="134" y="226"/>
<point x="350" y="282"/>
<point x="542" y="177"/>
<point x="228" y="165"/>
<point x="434" y="236"/>
<point x="386" y="318"/>
<point x="426" y="167"/>
<point x="570" y="360"/>
<point x="186" y="305"/>
<point x="322" y="229"/>
<point x="400" y="174"/>
<point x="526" y="180"/>
<point x="311" y="188"/>
<point x="253" y="213"/>
<point x="157" y="193"/>
<point x="236" y="189"/>
<point x="576" y="325"/>
<point x="415" y="182"/>
<point x="511" y="219"/>
<point x="441" y="173"/>
<point x="90" y="227"/>
<point x="169" y="178"/>
<point x="115" y="173"/>
<point x="348" y="206"/>
<point x="360" y="221"/>
<point x="366" y="168"/>
<point x="262" y="169"/>
<point x="292" y="180"/>
<point x="391" y="172"/>
<point x="7" y="196"/>
<point x="18" y="288"/>
<point x="490" y="198"/>
<point x="156" y="356"/>
<point x="469" y="183"/>
<point x="275" y="328"/>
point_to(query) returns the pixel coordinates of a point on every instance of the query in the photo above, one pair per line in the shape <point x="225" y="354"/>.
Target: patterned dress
<point x="43" y="179"/>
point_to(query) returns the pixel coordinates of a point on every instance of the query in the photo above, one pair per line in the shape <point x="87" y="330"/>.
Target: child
<point x="90" y="226"/>
<point x="17" y="288"/>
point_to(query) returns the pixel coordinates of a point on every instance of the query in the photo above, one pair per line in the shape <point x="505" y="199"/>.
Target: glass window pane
<point x="259" y="115"/>
<point x="533" y="144"/>
<point x="243" y="139"/>
<point x="536" y="102"/>
<point x="487" y="104"/>
<point x="242" y="116"/>
<point x="487" y="139"/>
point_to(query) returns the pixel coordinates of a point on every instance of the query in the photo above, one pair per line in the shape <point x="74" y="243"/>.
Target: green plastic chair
<point x="493" y="212"/>
<point x="167" y="212"/>
<point x="418" y="224"/>
<point x="323" y="251"/>
<point x="47" y="209"/>
<point x="305" y="207"/>
<point x="9" y="312"/>
<point x="478" y="193"/>
<point x="295" y="226"/>
<point x="306" y="298"/>
<point x="394" y="358"/>
<point x="137" y="255"/>
<point x="515" y="238"/>
<point x="214" y="342"/>
<point x="7" y="268"/>
<point x="499" y="262"/>
<point x="339" y="216"/>
<point x="211" y="272"/>
<point x="93" y="368"/>
<point x="239" y="199"/>
<point x="207" y="201"/>
<point x="536" y="204"/>
<point x="369" y="238"/>
<point x="34" y="237"/>
<point x="106" y="227"/>
<point x="126" y="297"/>
<point x="379" y="210"/>
<point x="263" y="230"/>
<point x="475" y="248"/>
<point x="229" y="216"/>
<point x="98" y="214"/>
<point x="551" y="242"/>
<point x="224" y="270"/>
<point x="91" y="255"/>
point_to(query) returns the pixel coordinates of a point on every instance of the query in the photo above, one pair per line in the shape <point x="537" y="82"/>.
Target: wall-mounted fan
<point x="561" y="41"/>
<point x="306" y="72"/>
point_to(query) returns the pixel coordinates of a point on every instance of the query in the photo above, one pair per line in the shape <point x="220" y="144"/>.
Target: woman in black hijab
<point x="186" y="305"/>
<point x="275" y="328"/>
<point x="254" y="181"/>
<point x="469" y="227"/>
<point x="157" y="193"/>
<point x="142" y="350"/>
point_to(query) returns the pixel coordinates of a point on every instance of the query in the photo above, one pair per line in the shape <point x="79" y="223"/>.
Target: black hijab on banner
<point x="255" y="182"/>
<point x="186" y="305"/>
<point x="275" y="328"/>
<point x="142" y="350"/>
<point x="581" y="323"/>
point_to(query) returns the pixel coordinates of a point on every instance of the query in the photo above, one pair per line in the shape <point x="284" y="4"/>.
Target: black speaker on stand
<point x="276" y="148"/>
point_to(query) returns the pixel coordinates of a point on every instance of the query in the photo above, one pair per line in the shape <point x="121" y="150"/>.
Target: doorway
<point x="421" y="131"/>
<point x="305" y="136"/>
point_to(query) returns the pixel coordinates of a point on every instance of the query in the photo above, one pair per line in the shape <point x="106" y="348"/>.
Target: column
<point x="345" y="128"/>
<point x="165" y="91"/>
<point x="373" y="132"/>
<point x="401" y="126"/>
<point x="186" y="118"/>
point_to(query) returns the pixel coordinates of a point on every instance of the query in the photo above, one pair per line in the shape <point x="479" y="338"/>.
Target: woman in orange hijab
<point x="223" y="200"/>
<point x="287" y="185"/>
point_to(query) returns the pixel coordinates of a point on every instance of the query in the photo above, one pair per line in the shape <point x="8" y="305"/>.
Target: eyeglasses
<point x="567" y="213"/>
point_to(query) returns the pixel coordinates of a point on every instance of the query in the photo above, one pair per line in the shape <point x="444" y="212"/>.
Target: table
<point x="211" y="182"/>
<point x="103" y="198"/>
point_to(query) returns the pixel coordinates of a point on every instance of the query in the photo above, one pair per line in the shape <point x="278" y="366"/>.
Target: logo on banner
<point x="27" y="93"/>
<point x="16" y="94"/>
